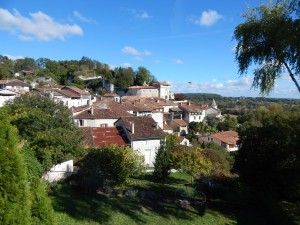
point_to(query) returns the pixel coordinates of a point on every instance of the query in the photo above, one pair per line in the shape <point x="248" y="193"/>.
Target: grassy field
<point x="73" y="207"/>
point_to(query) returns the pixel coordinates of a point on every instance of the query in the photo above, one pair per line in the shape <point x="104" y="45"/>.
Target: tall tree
<point x="269" y="158"/>
<point x="270" y="38"/>
<point x="142" y="76"/>
<point x="26" y="64"/>
<point x="6" y="67"/>
<point x="14" y="188"/>
<point x="47" y="127"/>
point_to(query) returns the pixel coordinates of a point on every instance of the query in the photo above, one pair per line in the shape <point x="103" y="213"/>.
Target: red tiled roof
<point x="99" y="113"/>
<point x="179" y="122"/>
<point x="229" y="137"/>
<point x="14" y="82"/>
<point x="191" y="107"/>
<point x="161" y="83"/>
<point x="77" y="90"/>
<point x="144" y="127"/>
<point x="102" y="136"/>
<point x="68" y="93"/>
<point x="167" y="127"/>
<point x="175" y="109"/>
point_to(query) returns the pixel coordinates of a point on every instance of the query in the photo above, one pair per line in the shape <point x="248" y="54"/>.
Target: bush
<point x="109" y="165"/>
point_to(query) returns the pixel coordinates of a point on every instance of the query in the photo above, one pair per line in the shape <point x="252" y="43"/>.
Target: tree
<point x="28" y="64"/>
<point x="142" y="76"/>
<point x="47" y="127"/>
<point x="269" y="158"/>
<point x="6" y="67"/>
<point x="109" y="165"/>
<point x="163" y="163"/>
<point x="14" y="194"/>
<point x="270" y="37"/>
<point x="190" y="160"/>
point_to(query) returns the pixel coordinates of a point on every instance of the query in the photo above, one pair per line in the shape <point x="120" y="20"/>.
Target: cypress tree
<point x="14" y="187"/>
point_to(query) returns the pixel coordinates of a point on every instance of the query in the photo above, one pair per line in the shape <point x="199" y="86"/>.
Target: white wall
<point x="146" y="146"/>
<point x="96" y="122"/>
<point x="59" y="171"/>
<point x="159" y="118"/>
<point x="4" y="99"/>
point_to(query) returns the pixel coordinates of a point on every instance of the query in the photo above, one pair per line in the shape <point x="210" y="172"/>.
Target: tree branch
<point x="292" y="75"/>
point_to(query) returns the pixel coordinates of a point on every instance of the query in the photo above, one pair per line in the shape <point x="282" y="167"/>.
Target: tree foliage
<point x="268" y="160"/>
<point x="109" y="165"/>
<point x="47" y="128"/>
<point x="190" y="160"/>
<point x="163" y="162"/>
<point x="270" y="37"/>
<point x="14" y="194"/>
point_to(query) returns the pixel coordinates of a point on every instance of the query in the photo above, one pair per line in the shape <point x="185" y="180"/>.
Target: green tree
<point x="109" y="165"/>
<point x="229" y="123"/>
<point x="47" y="127"/>
<point x="191" y="160"/>
<point x="142" y="76"/>
<point x="28" y="64"/>
<point x="270" y="37"/>
<point x="41" y="208"/>
<point x="6" y="67"/>
<point x="14" y="188"/>
<point x="268" y="160"/>
<point x="163" y="164"/>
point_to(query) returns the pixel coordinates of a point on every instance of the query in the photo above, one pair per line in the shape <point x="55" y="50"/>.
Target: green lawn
<point x="73" y="207"/>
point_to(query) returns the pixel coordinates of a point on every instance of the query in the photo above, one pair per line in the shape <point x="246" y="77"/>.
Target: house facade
<point x="191" y="112"/>
<point x="144" y="135"/>
<point x="227" y="140"/>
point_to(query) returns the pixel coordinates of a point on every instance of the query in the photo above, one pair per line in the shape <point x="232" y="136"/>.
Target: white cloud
<point x="82" y="18"/>
<point x="207" y="18"/>
<point x="39" y="26"/>
<point x="138" y="58"/>
<point x="127" y="65"/>
<point x="178" y="61"/>
<point x="214" y="80"/>
<point x="157" y="61"/>
<point x="14" y="57"/>
<point x="132" y="51"/>
<point x="139" y="14"/>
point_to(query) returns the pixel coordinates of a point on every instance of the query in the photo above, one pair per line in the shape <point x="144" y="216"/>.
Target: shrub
<point x="109" y="165"/>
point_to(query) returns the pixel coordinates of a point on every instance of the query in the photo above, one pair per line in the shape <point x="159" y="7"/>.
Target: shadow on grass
<point x="100" y="208"/>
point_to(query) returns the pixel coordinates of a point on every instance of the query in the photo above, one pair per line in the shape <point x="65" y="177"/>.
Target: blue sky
<point x="187" y="43"/>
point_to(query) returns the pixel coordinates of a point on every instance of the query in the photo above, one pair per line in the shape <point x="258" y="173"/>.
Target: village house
<point x="7" y="95"/>
<point x="179" y="126"/>
<point x="212" y="111"/>
<point x="71" y="96"/>
<point x="14" y="85"/>
<point x="101" y="114"/>
<point x="227" y="140"/>
<point x="144" y="135"/>
<point x="191" y="112"/>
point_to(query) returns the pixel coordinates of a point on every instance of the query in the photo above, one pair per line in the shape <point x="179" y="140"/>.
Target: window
<point x="104" y="125"/>
<point x="81" y="123"/>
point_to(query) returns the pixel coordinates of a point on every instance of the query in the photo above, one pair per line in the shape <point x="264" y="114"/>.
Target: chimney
<point x="188" y="103"/>
<point x="132" y="127"/>
<point x="156" y="125"/>
<point x="92" y="110"/>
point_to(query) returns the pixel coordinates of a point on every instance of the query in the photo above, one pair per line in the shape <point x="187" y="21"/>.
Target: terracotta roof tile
<point x="191" y="107"/>
<point x="144" y="127"/>
<point x="15" y="82"/>
<point x="167" y="127"/>
<point x="77" y="90"/>
<point x="179" y="122"/>
<point x="229" y="137"/>
<point x="102" y="136"/>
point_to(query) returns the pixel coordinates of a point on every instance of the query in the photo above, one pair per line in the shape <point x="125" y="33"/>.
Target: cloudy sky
<point x="187" y="43"/>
